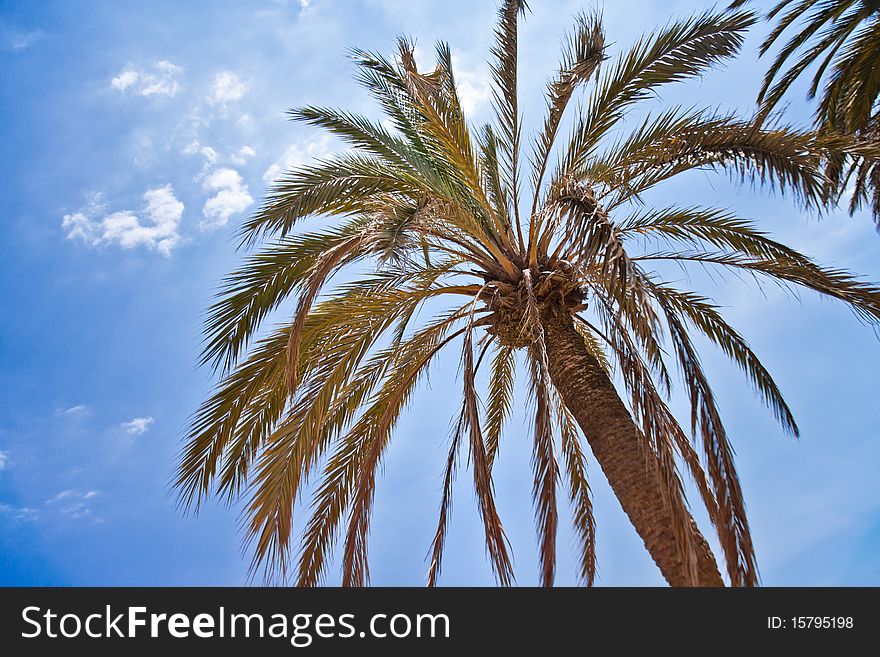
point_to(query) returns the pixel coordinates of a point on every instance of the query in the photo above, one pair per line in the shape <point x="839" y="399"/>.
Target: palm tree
<point x="426" y="212"/>
<point x="842" y="39"/>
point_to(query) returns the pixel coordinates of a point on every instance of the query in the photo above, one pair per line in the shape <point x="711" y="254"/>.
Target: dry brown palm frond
<point x="342" y="473"/>
<point x="705" y="316"/>
<point x="706" y="421"/>
<point x="544" y="465"/>
<point x="579" y="493"/>
<point x="496" y="540"/>
<point x="439" y="541"/>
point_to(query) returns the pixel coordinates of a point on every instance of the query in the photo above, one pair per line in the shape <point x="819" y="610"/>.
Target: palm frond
<point x="582" y="54"/>
<point x="544" y="464"/>
<point x="500" y="403"/>
<point x="505" y="98"/>
<point x="862" y="298"/>
<point x="736" y="539"/>
<point x="496" y="540"/>
<point x="344" y="483"/>
<point x="705" y="317"/>
<point x="430" y="210"/>
<point x="680" y="50"/>
<point x="579" y="493"/>
<point x="775" y="157"/>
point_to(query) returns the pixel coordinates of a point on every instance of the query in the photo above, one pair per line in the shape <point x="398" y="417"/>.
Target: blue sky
<point x="135" y="138"/>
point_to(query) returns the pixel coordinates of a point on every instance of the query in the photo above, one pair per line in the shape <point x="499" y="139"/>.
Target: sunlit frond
<point x="678" y="141"/>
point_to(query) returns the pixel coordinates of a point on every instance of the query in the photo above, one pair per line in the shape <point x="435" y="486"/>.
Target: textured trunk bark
<point x="615" y="441"/>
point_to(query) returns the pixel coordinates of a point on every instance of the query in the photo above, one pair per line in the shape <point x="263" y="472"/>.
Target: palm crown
<point x="553" y="284"/>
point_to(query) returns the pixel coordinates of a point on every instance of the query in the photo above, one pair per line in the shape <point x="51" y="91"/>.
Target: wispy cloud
<point x="73" y="503"/>
<point x="162" y="79"/>
<point x="212" y="157"/>
<point x="18" y="513"/>
<point x="4" y="460"/>
<point x="137" y="426"/>
<point x="72" y="493"/>
<point x="156" y="229"/>
<point x="73" y="410"/>
<point x="231" y="197"/>
<point x="15" y="39"/>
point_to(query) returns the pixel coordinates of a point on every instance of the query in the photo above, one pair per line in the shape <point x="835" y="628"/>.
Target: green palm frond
<point x="862" y="298"/>
<point x="705" y="227"/>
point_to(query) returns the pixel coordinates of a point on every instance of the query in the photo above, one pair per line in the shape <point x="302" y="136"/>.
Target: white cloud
<point x="124" y="80"/>
<point x="163" y="83"/>
<point x="160" y="80"/>
<point x="137" y="426"/>
<point x="212" y="157"/>
<point x="227" y="88"/>
<point x="63" y="495"/>
<point x="79" y="408"/>
<point x="303" y="4"/>
<point x="156" y="231"/>
<point x="474" y="88"/>
<point x="243" y="155"/>
<point x="4" y="460"/>
<point x="209" y="154"/>
<point x="231" y="197"/>
<point x="296" y="155"/>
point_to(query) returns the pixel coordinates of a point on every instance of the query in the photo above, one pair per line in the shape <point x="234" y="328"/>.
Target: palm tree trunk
<point x="617" y="445"/>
